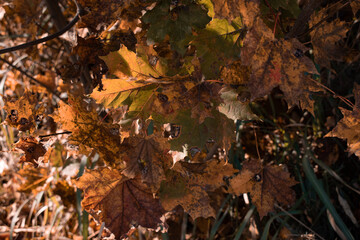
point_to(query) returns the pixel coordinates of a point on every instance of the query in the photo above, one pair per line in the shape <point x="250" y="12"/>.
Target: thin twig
<point x="345" y="100"/>
<point x="79" y="12"/>
<point x="54" y="134"/>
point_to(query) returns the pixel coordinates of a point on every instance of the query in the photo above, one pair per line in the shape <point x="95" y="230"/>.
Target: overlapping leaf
<point x="88" y="130"/>
<point x="277" y="63"/>
<point x="348" y="127"/>
<point x="266" y="184"/>
<point x="187" y="185"/>
<point x="118" y="201"/>
<point x="148" y="158"/>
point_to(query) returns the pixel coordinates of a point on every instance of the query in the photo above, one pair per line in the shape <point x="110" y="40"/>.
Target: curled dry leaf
<point x="24" y="112"/>
<point x="187" y="185"/>
<point x="147" y="157"/>
<point x="118" y="201"/>
<point x="32" y="148"/>
<point x="266" y="184"/>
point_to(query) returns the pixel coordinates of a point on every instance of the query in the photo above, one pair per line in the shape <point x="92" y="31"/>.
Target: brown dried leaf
<point x="32" y="148"/>
<point x="118" y="201"/>
<point x="23" y="113"/>
<point x="278" y="63"/>
<point x="326" y="39"/>
<point x="266" y="185"/>
<point x="148" y="158"/>
<point x="228" y="9"/>
<point x="348" y="127"/>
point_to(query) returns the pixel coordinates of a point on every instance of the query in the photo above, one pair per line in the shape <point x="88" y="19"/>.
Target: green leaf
<point x="290" y="5"/>
<point x="219" y="128"/>
<point x="215" y="45"/>
<point x="177" y="23"/>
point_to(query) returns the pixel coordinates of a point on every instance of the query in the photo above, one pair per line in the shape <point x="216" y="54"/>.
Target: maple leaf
<point x="187" y="185"/>
<point x="125" y="63"/>
<point x="348" y="127"/>
<point x="118" y="201"/>
<point x="266" y="185"/>
<point x="24" y="112"/>
<point x="116" y="91"/>
<point x="218" y="128"/>
<point x="176" y="22"/>
<point x="277" y="63"/>
<point x="148" y="158"/>
<point x="32" y="148"/>
<point x="326" y="38"/>
<point x="88" y="130"/>
<point x="216" y="45"/>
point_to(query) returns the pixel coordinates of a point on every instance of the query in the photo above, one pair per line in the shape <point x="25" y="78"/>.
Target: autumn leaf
<point x="216" y="46"/>
<point x="32" y="148"/>
<point x="187" y="185"/>
<point x="266" y="185"/>
<point x="348" y="127"/>
<point x="125" y="63"/>
<point x="118" y="201"/>
<point x="88" y="130"/>
<point x="24" y="112"/>
<point x="278" y="63"/>
<point x="326" y="38"/>
<point x="116" y="91"/>
<point x="148" y="158"/>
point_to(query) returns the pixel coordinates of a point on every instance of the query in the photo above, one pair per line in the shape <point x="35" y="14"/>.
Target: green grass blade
<point x="266" y="229"/>
<point x="324" y="197"/>
<point x="244" y="222"/>
<point x="332" y="173"/>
